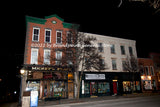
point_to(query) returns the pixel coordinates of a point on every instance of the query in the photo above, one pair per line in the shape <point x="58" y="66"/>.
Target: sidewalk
<point x="82" y="100"/>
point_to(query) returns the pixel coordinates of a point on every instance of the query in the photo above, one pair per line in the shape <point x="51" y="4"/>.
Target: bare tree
<point x="87" y="58"/>
<point x="152" y="3"/>
<point x="131" y="65"/>
<point x="79" y="53"/>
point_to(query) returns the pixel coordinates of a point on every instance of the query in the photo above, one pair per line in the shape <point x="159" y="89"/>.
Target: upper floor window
<point x="59" y="37"/>
<point x="69" y="38"/>
<point x="35" y="36"/>
<point x="124" y="65"/>
<point x="100" y="47"/>
<point x="142" y="70"/>
<point x="114" y="65"/>
<point x="122" y="50"/>
<point x="34" y="56"/>
<point x="46" y="56"/>
<point x="47" y="35"/>
<point x="147" y="71"/>
<point x="151" y="69"/>
<point x="113" y="49"/>
<point x="58" y="57"/>
<point x="130" y="51"/>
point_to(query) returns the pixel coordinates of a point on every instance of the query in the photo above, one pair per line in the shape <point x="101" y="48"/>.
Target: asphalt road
<point x="151" y="101"/>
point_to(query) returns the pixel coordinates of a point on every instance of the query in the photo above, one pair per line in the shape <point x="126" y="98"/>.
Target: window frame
<point x="46" y="36"/>
<point x="100" y="47"/>
<point x="48" y="62"/>
<point x="112" y="49"/>
<point x="130" y="51"/>
<point x="57" y="37"/>
<point x="122" y="50"/>
<point x="34" y="35"/>
<point x="32" y="59"/>
<point x="113" y="59"/>
<point x="146" y="71"/>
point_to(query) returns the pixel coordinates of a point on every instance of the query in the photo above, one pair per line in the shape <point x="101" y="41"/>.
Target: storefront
<point x="50" y="81"/>
<point x="108" y="83"/>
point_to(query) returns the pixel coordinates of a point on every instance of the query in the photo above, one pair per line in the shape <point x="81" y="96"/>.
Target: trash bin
<point x="26" y="99"/>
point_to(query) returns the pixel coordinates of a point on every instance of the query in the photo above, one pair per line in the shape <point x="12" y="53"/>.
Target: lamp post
<point x="22" y="72"/>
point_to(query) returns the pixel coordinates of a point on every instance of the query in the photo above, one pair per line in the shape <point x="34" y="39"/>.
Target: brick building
<point x="156" y="59"/>
<point x="148" y="76"/>
<point x="45" y="70"/>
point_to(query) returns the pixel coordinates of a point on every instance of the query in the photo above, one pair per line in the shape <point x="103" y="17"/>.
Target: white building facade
<point x="113" y="80"/>
<point x="114" y="50"/>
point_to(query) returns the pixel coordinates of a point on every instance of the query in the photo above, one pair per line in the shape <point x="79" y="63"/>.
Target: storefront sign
<point x="34" y="99"/>
<point x="37" y="75"/>
<point x="95" y="76"/>
<point x="50" y="69"/>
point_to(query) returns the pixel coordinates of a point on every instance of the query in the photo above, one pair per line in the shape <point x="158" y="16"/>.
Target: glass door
<point x="93" y="88"/>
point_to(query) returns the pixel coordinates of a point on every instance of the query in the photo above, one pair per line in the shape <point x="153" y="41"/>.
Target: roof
<point x="43" y="21"/>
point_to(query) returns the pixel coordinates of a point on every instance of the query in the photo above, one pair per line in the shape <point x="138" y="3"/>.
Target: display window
<point x="86" y="88"/>
<point x="147" y="85"/>
<point x="103" y="87"/>
<point x="127" y="86"/>
<point x="94" y="88"/>
<point x="33" y="86"/>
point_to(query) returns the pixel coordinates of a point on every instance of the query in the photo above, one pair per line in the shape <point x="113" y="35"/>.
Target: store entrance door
<point x="93" y="88"/>
<point x="115" y="87"/>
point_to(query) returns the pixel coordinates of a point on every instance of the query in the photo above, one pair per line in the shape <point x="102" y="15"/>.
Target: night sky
<point x="133" y="20"/>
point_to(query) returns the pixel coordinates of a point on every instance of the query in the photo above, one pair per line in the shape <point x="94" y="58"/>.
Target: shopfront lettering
<point x="50" y="69"/>
<point x="95" y="76"/>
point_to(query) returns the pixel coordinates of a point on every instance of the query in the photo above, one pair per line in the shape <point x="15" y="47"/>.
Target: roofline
<point x="54" y="15"/>
<point x="109" y="36"/>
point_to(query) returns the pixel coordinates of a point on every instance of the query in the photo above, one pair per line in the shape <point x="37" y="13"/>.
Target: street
<point x="150" y="101"/>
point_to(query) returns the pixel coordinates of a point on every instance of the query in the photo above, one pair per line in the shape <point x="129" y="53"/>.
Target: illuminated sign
<point x="50" y="69"/>
<point x="34" y="99"/>
<point x="95" y="76"/>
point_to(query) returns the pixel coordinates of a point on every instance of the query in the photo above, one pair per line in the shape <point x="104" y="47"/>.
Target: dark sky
<point x="134" y="20"/>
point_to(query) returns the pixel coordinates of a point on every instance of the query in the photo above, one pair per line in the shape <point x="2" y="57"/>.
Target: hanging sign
<point x="34" y="99"/>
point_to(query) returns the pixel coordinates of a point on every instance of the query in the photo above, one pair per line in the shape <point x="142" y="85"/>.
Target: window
<point x="147" y="71"/>
<point x="122" y="50"/>
<point x="103" y="87"/>
<point x="100" y="47"/>
<point x="46" y="56"/>
<point x="142" y="70"/>
<point x="34" y="56"/>
<point x="35" y="36"/>
<point x="114" y="65"/>
<point x="69" y="38"/>
<point x="152" y="71"/>
<point x="58" y="57"/>
<point x="59" y="37"/>
<point x="113" y="49"/>
<point x="130" y="51"/>
<point x="102" y="62"/>
<point x="124" y="65"/>
<point x="47" y="35"/>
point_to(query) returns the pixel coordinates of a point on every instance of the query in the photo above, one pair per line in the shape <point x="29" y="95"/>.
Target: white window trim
<point x="56" y="36"/>
<point x="60" y="54"/>
<point x="45" y="35"/>
<point x="45" y="50"/>
<point x="31" y="55"/>
<point x="33" y="34"/>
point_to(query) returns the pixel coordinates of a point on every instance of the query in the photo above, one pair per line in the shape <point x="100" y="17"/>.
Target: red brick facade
<point x="43" y="24"/>
<point x="148" y="75"/>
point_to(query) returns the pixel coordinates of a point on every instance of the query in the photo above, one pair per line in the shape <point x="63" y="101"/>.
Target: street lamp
<point x="22" y="72"/>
